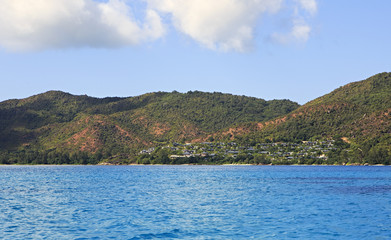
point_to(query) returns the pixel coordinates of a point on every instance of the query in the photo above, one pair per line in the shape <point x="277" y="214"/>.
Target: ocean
<point x="195" y="202"/>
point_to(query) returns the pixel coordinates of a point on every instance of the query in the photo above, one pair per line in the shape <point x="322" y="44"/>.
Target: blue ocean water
<point x="195" y="202"/>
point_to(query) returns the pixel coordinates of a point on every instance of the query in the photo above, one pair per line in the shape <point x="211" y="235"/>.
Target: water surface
<point x="195" y="202"/>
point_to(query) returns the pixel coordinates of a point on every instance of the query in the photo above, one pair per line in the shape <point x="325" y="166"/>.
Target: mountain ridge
<point x="59" y="121"/>
<point x="357" y="114"/>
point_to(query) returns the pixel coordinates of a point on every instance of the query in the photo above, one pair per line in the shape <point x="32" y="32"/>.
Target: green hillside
<point x="57" y="127"/>
<point x="352" y="124"/>
<point x="357" y="113"/>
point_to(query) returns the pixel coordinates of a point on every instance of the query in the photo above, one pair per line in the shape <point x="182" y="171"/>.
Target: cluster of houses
<point x="271" y="151"/>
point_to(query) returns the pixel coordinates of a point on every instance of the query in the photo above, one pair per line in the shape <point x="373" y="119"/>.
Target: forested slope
<point x="55" y="123"/>
<point x="57" y="127"/>
<point x="358" y="113"/>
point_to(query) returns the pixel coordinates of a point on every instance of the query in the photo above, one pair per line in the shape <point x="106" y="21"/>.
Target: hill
<point x="57" y="127"/>
<point x="357" y="113"/>
<point x="350" y="125"/>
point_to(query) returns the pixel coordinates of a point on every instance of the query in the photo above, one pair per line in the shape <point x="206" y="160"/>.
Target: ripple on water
<point x="195" y="202"/>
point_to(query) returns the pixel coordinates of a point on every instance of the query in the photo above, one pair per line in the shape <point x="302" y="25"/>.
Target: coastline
<point x="135" y="164"/>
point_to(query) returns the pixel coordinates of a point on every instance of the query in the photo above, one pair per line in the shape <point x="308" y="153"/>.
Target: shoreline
<point x="298" y="165"/>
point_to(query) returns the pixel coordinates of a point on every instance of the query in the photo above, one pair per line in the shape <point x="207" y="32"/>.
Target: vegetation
<point x="63" y="128"/>
<point x="316" y="152"/>
<point x="60" y="128"/>
<point x="357" y="114"/>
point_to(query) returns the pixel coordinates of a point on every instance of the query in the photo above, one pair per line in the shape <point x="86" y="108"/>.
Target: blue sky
<point x="270" y="49"/>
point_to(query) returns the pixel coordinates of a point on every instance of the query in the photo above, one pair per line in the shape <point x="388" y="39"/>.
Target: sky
<point x="269" y="49"/>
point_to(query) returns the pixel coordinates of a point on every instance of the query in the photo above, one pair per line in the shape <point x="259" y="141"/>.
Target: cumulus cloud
<point x="299" y="33"/>
<point x="309" y="5"/>
<point x="299" y="28"/>
<point x="217" y="24"/>
<point x="230" y="24"/>
<point x="42" y="24"/>
<point x="222" y="25"/>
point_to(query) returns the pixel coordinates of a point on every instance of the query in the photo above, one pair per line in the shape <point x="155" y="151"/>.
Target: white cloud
<point x="218" y="24"/>
<point x="299" y="33"/>
<point x="309" y="5"/>
<point x="230" y="24"/>
<point x="43" y="24"/>
<point x="299" y="30"/>
<point x="222" y="25"/>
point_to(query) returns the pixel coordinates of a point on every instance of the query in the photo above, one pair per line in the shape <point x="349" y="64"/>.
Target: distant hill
<point x="359" y="113"/>
<point x="57" y="127"/>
